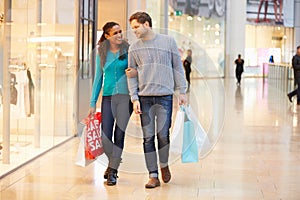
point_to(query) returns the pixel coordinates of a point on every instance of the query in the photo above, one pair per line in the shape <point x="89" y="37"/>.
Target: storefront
<point x="264" y="42"/>
<point x="38" y="73"/>
<point x="269" y="35"/>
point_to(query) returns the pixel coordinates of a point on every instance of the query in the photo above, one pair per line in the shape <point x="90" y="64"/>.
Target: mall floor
<point x="256" y="157"/>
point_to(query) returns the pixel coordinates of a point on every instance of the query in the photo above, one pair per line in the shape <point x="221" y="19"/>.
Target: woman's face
<point x="115" y="35"/>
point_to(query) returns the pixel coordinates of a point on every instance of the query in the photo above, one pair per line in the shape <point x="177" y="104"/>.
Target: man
<point x="156" y="59"/>
<point x="239" y="69"/>
<point x="296" y="67"/>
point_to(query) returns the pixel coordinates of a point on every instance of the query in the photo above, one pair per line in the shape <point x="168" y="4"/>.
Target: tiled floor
<point x="257" y="155"/>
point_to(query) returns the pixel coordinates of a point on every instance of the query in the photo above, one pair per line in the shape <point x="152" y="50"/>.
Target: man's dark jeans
<point x="156" y="119"/>
<point x="297" y="90"/>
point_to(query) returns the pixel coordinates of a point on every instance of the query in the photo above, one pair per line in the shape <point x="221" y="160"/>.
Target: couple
<point x="140" y="78"/>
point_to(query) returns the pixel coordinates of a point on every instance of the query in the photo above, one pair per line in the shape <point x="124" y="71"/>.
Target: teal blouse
<point x="111" y="77"/>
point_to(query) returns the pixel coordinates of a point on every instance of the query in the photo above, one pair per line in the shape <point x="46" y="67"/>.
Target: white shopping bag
<point x="177" y="133"/>
<point x="80" y="158"/>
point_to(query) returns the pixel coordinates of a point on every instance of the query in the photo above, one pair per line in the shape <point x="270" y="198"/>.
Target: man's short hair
<point x="298" y="47"/>
<point x="141" y="17"/>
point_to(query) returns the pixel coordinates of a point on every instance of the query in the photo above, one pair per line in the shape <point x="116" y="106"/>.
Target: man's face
<point x="298" y="51"/>
<point x="140" y="30"/>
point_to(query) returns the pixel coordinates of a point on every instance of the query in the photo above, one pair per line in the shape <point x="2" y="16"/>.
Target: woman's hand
<point x="91" y="111"/>
<point x="131" y="72"/>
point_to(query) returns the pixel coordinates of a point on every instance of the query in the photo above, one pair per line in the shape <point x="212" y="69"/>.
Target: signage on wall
<point x="271" y="12"/>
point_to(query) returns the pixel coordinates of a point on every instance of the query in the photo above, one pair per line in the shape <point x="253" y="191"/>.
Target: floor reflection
<point x="256" y="156"/>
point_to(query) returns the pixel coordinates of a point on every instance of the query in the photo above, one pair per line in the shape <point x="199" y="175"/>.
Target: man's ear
<point x="147" y="24"/>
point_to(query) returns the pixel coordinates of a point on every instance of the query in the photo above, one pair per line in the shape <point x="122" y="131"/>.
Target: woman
<point x="187" y="67"/>
<point x="116" y="107"/>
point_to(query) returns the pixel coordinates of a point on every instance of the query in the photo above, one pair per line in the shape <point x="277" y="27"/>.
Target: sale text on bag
<point x="94" y="135"/>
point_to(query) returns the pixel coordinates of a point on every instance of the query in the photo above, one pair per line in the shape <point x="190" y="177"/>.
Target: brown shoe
<point x="166" y="174"/>
<point x="152" y="183"/>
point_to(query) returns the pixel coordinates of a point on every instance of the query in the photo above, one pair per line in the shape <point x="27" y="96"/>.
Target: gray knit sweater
<point x="160" y="70"/>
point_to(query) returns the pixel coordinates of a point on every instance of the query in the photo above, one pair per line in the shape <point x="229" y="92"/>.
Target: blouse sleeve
<point x="97" y="84"/>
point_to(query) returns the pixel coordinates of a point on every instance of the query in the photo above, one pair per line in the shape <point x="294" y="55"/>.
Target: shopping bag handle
<point x="96" y="115"/>
<point x="184" y="108"/>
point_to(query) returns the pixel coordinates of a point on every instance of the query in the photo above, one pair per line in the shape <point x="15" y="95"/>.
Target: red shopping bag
<point x="93" y="142"/>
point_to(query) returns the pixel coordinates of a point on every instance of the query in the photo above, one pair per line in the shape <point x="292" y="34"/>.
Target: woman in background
<point x="187" y="67"/>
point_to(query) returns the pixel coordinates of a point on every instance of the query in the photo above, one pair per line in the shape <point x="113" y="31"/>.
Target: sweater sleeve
<point x="97" y="84"/>
<point x="178" y="72"/>
<point x="132" y="82"/>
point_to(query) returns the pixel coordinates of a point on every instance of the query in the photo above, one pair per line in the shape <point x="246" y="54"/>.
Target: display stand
<point x="20" y="104"/>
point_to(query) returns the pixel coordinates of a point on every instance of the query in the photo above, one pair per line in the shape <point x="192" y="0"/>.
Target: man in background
<point x="296" y="67"/>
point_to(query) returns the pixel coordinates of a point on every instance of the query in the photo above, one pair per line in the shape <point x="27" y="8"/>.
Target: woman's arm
<point x="97" y="84"/>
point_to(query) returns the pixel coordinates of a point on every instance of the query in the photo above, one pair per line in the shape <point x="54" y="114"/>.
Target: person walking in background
<point x="116" y="108"/>
<point x="271" y="59"/>
<point x="296" y="67"/>
<point x="187" y="67"/>
<point x="239" y="69"/>
<point x="159" y="72"/>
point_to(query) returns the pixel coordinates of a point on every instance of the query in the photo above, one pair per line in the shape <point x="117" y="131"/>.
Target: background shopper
<point x="187" y="67"/>
<point x="296" y="67"/>
<point x="116" y="108"/>
<point x="239" y="69"/>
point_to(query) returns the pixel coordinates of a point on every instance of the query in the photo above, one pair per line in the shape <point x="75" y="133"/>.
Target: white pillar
<point x="296" y="23"/>
<point x="132" y="7"/>
<point x="164" y="15"/>
<point x="6" y="82"/>
<point x="235" y="33"/>
<point x="135" y="5"/>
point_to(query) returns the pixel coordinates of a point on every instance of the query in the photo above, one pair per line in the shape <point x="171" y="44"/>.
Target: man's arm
<point x="178" y="72"/>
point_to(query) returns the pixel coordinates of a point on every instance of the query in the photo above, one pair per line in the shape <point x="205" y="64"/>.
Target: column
<point x="134" y="6"/>
<point x="235" y="33"/>
<point x="164" y="16"/>
<point x="6" y="82"/>
<point x="37" y="97"/>
<point x="76" y="119"/>
<point x="296" y="23"/>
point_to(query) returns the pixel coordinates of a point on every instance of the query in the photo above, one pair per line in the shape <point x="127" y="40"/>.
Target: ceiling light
<point x="189" y="18"/>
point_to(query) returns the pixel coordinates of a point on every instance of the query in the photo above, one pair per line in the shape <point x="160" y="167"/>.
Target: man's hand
<point x="131" y="72"/>
<point x="137" y="107"/>
<point x="182" y="99"/>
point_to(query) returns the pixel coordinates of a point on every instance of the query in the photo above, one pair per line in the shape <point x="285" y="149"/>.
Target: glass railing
<point x="279" y="75"/>
<point x="281" y="71"/>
